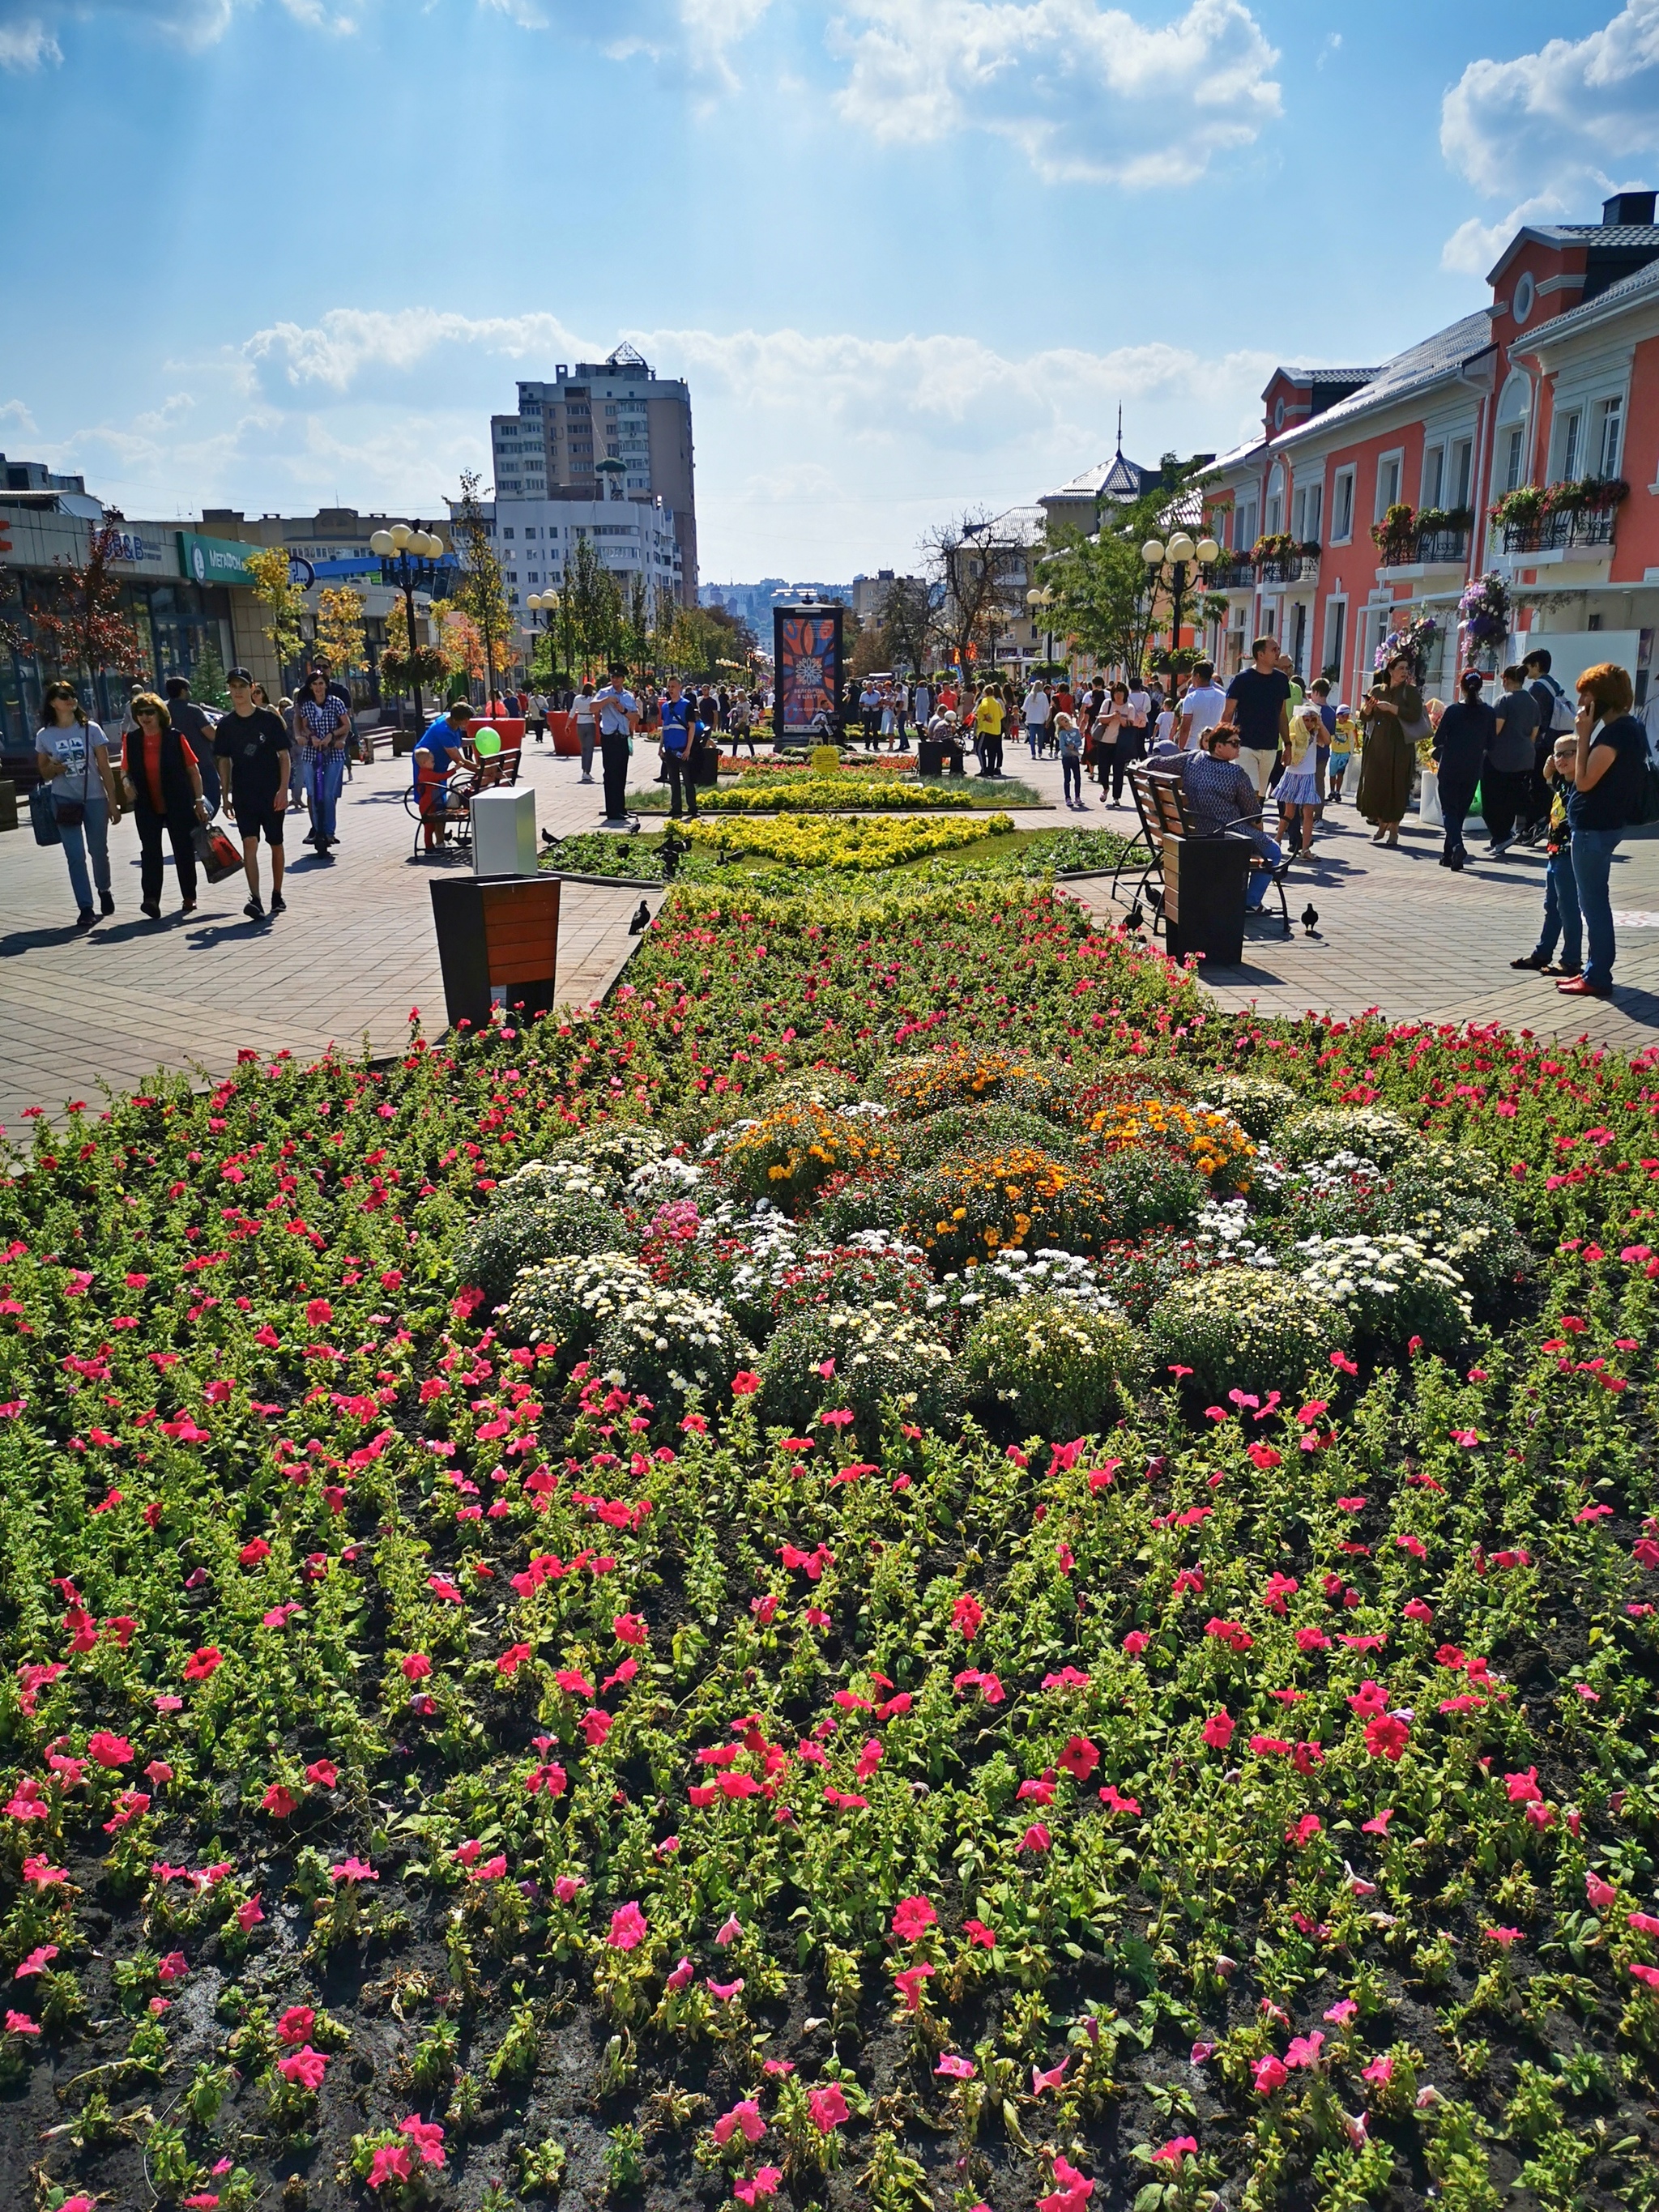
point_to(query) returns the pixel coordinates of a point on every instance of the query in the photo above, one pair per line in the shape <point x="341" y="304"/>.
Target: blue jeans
<point x="92" y="831"/>
<point x="326" y="777"/>
<point x="1261" y="876"/>
<point x="1561" y="915"/>
<point x="1592" y="857"/>
<point x="1071" y="776"/>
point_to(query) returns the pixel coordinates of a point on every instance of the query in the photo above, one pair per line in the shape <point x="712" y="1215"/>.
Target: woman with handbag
<point x="163" y="786"/>
<point x="1394" y="722"/>
<point x="72" y="756"/>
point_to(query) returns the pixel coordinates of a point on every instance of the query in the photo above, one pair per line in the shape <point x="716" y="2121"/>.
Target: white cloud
<point x="14" y="412"/>
<point x="1474" y="246"/>
<point x="1073" y="84"/>
<point x="815" y="454"/>
<point x="28" y="40"/>
<point x="1568" y="119"/>
<point x="26" y="43"/>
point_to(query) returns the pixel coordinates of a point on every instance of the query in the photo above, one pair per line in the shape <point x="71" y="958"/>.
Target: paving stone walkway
<point x="1397" y="932"/>
<point x="354" y="952"/>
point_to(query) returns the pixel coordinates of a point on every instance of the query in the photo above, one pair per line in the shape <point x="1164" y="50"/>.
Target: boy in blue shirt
<point x="679" y="726"/>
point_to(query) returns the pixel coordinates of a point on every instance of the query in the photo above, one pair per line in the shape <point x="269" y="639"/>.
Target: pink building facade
<point x="1521" y="441"/>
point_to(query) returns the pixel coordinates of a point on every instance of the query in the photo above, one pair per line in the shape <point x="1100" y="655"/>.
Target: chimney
<point x="1627" y="207"/>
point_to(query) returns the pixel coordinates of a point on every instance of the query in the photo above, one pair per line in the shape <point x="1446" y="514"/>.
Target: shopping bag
<point x="43" y="815"/>
<point x="216" y="855"/>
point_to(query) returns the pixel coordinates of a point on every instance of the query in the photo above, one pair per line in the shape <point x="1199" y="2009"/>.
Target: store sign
<point x="128" y="545"/>
<point x="214" y="560"/>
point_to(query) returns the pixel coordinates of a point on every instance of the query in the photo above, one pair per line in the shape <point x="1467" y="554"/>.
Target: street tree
<point x="1106" y="599"/>
<point x="284" y="602"/>
<point x="340" y="628"/>
<point x="79" y="626"/>
<point x="482" y="594"/>
<point x="978" y="574"/>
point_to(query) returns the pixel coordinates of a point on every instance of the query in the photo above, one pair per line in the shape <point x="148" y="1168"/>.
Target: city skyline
<point x="913" y="260"/>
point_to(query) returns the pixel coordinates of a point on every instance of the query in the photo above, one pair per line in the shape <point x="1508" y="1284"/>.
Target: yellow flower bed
<point x="788" y="1153"/>
<point x="823" y="794"/>
<point x="1216" y="1147"/>
<point x="860" y="845"/>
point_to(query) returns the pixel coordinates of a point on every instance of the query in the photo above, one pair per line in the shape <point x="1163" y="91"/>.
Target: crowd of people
<point x="175" y="765"/>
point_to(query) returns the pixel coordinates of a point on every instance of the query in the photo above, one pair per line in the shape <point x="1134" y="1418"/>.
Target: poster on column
<point x="806" y="644"/>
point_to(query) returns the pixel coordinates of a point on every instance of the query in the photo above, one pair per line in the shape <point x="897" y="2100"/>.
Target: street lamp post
<point x="1043" y="600"/>
<point x="545" y="604"/>
<point x="1177" y="552"/>
<point x="397" y="544"/>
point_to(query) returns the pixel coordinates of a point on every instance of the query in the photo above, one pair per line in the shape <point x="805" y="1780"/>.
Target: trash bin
<point x="504" y="832"/>
<point x="1203" y="880"/>
<point x="498" y="943"/>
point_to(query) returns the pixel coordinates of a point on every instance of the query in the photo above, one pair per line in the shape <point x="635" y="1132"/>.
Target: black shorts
<point x="255" y="821"/>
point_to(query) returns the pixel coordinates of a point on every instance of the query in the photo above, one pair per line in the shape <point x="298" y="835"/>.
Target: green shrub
<point x="882" y="1357"/>
<point x="570" y="1302"/>
<point x="980" y="1129"/>
<point x="1374" y="1135"/>
<point x="1148" y="1187"/>
<point x="506" y="1237"/>
<point x="1243" y="1329"/>
<point x="1475" y="1234"/>
<point x="851" y="1204"/>
<point x="612" y="1151"/>
<point x="1391" y="1287"/>
<point x="1041" y="1365"/>
<point x="669" y="1343"/>
<point x="1256" y="1102"/>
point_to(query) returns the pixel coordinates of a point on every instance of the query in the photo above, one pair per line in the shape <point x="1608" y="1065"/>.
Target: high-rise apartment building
<point x="603" y="429"/>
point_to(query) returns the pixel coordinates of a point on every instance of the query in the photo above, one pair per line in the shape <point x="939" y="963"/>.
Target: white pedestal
<point x="504" y="832"/>
<point x="1428" y="800"/>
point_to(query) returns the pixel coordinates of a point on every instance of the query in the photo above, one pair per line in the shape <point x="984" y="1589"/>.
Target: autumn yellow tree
<point x="340" y="628"/>
<point x="284" y="604"/>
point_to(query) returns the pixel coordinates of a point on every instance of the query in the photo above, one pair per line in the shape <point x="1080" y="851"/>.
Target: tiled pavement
<point x="1398" y="931"/>
<point x="354" y="952"/>
<point x="356" y="949"/>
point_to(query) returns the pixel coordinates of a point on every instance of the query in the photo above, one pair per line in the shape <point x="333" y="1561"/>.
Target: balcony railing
<point x="1431" y="548"/>
<point x="1561" y="532"/>
<point x="1288" y="569"/>
<point x="1234" y="571"/>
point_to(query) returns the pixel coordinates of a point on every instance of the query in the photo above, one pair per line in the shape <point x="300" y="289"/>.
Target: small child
<point x="1561" y="919"/>
<point x="1344" y="744"/>
<point x="1068" y="743"/>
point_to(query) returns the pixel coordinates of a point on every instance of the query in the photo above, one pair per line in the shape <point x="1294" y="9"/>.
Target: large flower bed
<point x="776" y="1714"/>
<point x="862" y="847"/>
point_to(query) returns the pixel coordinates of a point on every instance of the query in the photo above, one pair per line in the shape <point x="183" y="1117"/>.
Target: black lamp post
<point x="1178" y="552"/>
<point x="397" y="544"/>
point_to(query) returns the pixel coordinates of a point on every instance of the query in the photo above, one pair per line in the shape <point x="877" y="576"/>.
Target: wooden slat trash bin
<point x="1204" y="882"/>
<point x="498" y="942"/>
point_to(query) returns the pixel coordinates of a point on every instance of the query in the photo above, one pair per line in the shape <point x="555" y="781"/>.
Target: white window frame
<point x="1395" y="460"/>
<point x="1336" y="615"/>
<point x="1568" y="444"/>
<point x="1461" y="469"/>
<point x="1610" y="417"/>
<point x="1247" y="508"/>
<point x="1432" y="489"/>
<point x="1342" y="491"/>
<point x="1314" y="516"/>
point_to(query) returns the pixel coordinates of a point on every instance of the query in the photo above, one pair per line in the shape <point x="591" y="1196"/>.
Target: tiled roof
<point x="1327" y="375"/>
<point x="1596" y="233"/>
<point x="1627" y="287"/>
<point x="1424" y="363"/>
<point x="1118" y="476"/>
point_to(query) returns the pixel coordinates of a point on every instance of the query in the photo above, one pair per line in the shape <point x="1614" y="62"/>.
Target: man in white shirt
<point x="1203" y="707"/>
<point x="1036" y="718"/>
<point x="617" y="713"/>
<point x="922" y="706"/>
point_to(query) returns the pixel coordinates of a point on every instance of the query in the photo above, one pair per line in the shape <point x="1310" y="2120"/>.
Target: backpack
<point x="1563" y="717"/>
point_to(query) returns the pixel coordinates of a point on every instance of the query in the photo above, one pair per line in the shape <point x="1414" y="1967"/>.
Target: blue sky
<point x="910" y="254"/>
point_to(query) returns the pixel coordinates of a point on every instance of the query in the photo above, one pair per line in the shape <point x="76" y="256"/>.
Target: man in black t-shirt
<point x="1259" y="708"/>
<point x="252" y="747"/>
